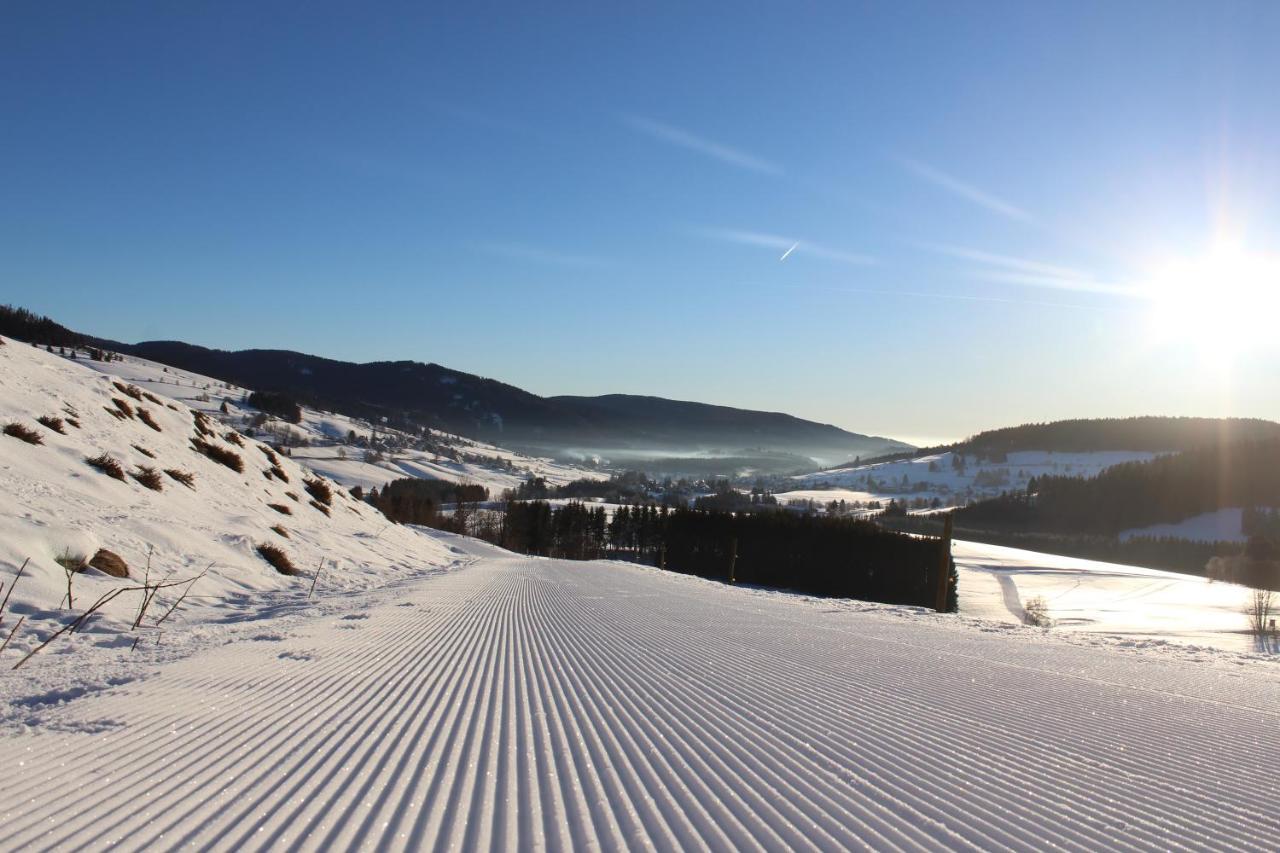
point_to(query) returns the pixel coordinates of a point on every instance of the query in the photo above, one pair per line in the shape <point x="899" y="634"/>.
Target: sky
<point x="991" y="213"/>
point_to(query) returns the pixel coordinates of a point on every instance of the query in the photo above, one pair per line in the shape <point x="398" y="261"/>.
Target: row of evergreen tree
<point x="838" y="557"/>
<point x="414" y="501"/>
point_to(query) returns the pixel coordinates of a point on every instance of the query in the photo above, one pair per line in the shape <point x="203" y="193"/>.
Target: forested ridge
<point x="1166" y="489"/>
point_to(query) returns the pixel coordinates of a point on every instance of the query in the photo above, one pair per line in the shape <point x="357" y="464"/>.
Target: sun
<point x="1222" y="304"/>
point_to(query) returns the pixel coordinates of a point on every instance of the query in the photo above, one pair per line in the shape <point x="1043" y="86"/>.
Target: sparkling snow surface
<point x="522" y="703"/>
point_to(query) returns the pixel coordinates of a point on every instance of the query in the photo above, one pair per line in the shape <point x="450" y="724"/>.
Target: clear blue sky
<point x="586" y="200"/>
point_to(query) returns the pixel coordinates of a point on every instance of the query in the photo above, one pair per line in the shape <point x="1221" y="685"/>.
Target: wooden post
<point x="944" y="566"/>
<point x="733" y="559"/>
<point x="662" y="557"/>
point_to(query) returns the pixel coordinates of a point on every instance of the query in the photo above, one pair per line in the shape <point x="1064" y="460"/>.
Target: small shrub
<point x="106" y="465"/>
<point x="357" y="492"/>
<point x="115" y="413"/>
<point x="153" y="398"/>
<point x="320" y="507"/>
<point x="281" y="508"/>
<point x="277" y="558"/>
<point x="145" y="416"/>
<point x="1035" y="612"/>
<point x="279" y="530"/>
<point x="125" y="408"/>
<point x="219" y="454"/>
<point x="149" y="477"/>
<point x="234" y="438"/>
<point x="293" y="496"/>
<point x="74" y="422"/>
<point x="270" y="454"/>
<point x="1258" y="609"/>
<point x="52" y="423"/>
<point x="186" y="478"/>
<point x="319" y="490"/>
<point x="280" y="474"/>
<point x="23" y="433"/>
<point x="144" y="451"/>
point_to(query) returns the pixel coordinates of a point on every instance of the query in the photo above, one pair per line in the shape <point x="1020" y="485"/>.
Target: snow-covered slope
<point x="53" y="504"/>
<point x="1092" y="598"/>
<point x="526" y="704"/>
<point x="955" y="480"/>
<point x="1224" y="525"/>
<point x="321" y="437"/>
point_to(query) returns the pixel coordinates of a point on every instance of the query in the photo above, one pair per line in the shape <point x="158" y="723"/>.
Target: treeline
<point x="628" y="487"/>
<point x="276" y="403"/>
<point x="1151" y="434"/>
<point x="1166" y="489"/>
<point x="812" y="554"/>
<point x="35" y="328"/>
<point x="1168" y="553"/>
<point x="415" y="501"/>
<point x="1261" y="521"/>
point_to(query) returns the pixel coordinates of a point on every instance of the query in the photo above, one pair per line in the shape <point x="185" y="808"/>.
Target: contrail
<point x="788" y="251"/>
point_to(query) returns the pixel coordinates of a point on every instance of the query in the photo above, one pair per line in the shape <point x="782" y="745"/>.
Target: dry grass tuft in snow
<point x="186" y="478"/>
<point x="279" y="529"/>
<point x="219" y="454"/>
<point x="143" y="451"/>
<point x="281" y="508"/>
<point x="149" y="477"/>
<point x="53" y="423"/>
<point x="107" y="465"/>
<point x="146" y="418"/>
<point x="122" y="407"/>
<point x="277" y="558"/>
<point x="129" y="390"/>
<point x="319" y="490"/>
<point x="24" y="433"/>
<point x="110" y="563"/>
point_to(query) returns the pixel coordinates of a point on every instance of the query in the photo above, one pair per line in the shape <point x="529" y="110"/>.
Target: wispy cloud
<point x="962" y="297"/>
<point x="539" y="254"/>
<point x="782" y="243"/>
<point x="684" y="139"/>
<point x="1008" y="269"/>
<point x="965" y="190"/>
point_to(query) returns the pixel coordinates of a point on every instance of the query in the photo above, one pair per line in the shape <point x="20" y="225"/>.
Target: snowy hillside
<point x="953" y="478"/>
<point x="321" y="438"/>
<point x="55" y="506"/>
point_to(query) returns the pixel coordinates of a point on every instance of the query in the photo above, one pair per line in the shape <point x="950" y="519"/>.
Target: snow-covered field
<point x="524" y="703"/>
<point x="937" y="475"/>
<point x="1104" y="599"/>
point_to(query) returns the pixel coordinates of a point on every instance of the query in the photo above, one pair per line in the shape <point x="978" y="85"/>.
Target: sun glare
<point x="1222" y="304"/>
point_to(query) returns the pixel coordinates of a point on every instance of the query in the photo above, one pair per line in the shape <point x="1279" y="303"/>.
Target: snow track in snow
<point x="529" y="703"/>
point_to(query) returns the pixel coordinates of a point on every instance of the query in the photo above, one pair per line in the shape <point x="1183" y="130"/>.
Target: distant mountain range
<point x="618" y="426"/>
